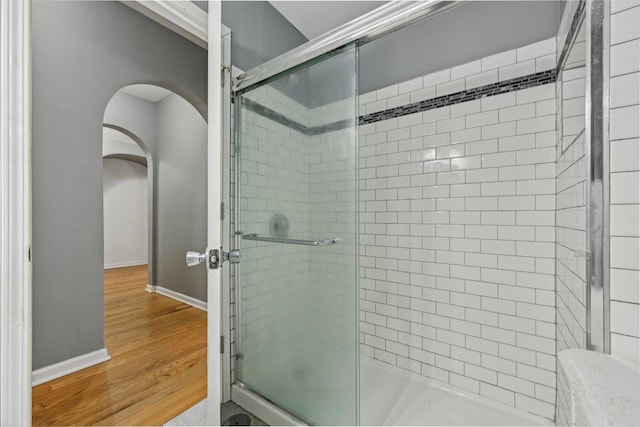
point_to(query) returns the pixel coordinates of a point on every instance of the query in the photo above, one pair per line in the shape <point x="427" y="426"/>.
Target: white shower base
<point x="393" y="396"/>
<point x="390" y="396"/>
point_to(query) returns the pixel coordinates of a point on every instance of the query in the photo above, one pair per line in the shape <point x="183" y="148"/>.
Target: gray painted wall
<point x="258" y="32"/>
<point x="83" y="52"/>
<point x="140" y="117"/>
<point x="182" y="196"/>
<point x="125" y="207"/>
<point x="466" y="33"/>
<point x="469" y="32"/>
<point x="175" y="135"/>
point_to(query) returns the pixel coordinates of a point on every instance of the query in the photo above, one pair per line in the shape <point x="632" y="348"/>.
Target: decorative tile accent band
<point x="274" y="115"/>
<point x="292" y="124"/>
<point x="511" y="85"/>
<point x="331" y="127"/>
<point x="537" y="79"/>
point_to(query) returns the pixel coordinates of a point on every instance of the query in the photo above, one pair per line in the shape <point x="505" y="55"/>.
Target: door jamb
<point x="214" y="198"/>
<point x="15" y="212"/>
<point x="227" y="241"/>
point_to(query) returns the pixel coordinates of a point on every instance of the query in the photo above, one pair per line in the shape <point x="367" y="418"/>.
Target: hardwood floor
<point x="157" y="368"/>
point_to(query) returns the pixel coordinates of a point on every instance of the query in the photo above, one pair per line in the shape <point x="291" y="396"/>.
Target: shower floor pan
<point x="390" y="396"/>
<point x="393" y="396"/>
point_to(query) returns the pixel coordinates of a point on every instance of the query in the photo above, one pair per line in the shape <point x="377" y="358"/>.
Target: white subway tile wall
<point x="461" y="208"/>
<point x="273" y="178"/>
<point x="457" y="212"/>
<point x="298" y="302"/>
<point x="333" y="213"/>
<point x="624" y="169"/>
<point x="571" y="170"/>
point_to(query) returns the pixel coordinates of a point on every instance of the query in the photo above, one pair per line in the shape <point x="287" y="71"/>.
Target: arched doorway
<point x="157" y="345"/>
<point x="170" y="135"/>
<point x="127" y="201"/>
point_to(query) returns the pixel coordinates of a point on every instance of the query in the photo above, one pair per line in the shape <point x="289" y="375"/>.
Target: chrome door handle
<point x="233" y="256"/>
<point x="215" y="257"/>
<point x="195" y="258"/>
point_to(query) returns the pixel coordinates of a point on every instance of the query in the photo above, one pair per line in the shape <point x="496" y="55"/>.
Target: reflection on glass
<point x="571" y="185"/>
<point x="574" y="89"/>
<point x="297" y="143"/>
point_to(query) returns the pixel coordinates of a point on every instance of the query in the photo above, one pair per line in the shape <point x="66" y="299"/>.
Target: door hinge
<point x="222" y="344"/>
<point x="221" y="211"/>
<point x="223" y="75"/>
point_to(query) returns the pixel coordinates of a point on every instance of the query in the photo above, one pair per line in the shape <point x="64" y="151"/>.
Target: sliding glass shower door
<point x="297" y="231"/>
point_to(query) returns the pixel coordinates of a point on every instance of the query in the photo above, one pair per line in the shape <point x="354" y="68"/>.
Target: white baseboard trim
<point x="179" y="297"/>
<point x="68" y="366"/>
<point x="125" y="264"/>
<point x="150" y="288"/>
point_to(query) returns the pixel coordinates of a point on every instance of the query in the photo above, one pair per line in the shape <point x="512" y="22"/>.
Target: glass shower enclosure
<point x="297" y="327"/>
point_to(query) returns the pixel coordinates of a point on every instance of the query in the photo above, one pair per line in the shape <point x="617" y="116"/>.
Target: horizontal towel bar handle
<point x="325" y="242"/>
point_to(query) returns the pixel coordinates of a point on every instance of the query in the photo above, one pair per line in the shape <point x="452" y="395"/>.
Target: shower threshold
<point x="262" y="408"/>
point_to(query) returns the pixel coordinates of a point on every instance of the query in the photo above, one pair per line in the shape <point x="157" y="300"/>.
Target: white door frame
<point x="15" y="212"/>
<point x="214" y="225"/>
<point x="15" y="194"/>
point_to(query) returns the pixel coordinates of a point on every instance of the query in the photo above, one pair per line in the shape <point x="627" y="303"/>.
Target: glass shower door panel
<point x="571" y="199"/>
<point x="297" y="288"/>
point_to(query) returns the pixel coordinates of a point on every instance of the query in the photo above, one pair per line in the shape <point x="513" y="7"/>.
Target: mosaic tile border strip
<point x="274" y="115"/>
<point x="505" y="86"/>
<point x="519" y="83"/>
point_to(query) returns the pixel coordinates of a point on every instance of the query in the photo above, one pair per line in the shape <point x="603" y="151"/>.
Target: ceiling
<point x="314" y="18"/>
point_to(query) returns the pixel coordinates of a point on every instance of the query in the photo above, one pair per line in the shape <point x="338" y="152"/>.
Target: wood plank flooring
<point x="157" y="368"/>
